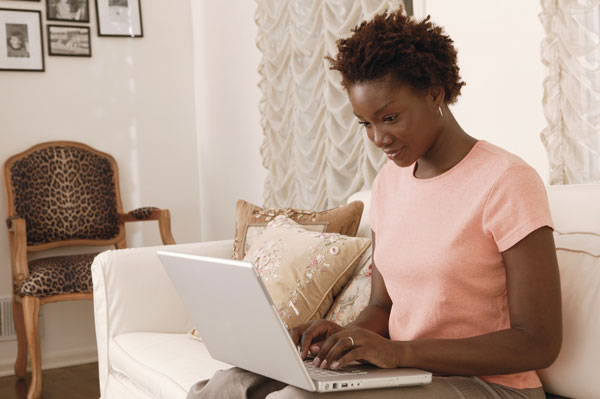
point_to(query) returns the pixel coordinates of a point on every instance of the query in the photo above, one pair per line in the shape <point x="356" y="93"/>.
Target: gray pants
<point x="236" y="383"/>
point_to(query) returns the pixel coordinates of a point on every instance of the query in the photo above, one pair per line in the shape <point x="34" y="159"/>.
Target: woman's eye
<point x="365" y="124"/>
<point x="390" y="118"/>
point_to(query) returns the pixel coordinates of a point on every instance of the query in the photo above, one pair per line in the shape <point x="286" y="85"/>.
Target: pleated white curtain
<point x="315" y="152"/>
<point x="571" y="51"/>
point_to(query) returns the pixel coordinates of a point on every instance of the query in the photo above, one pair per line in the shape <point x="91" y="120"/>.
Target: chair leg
<point x="21" y="362"/>
<point x="31" y="311"/>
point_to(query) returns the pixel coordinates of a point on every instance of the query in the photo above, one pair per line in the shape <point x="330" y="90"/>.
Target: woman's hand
<point x="310" y="335"/>
<point x="357" y="344"/>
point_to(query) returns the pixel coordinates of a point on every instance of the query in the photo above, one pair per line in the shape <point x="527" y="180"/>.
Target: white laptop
<point x="239" y="324"/>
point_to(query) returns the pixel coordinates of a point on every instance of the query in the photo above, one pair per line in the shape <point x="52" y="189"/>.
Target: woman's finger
<point x="326" y="347"/>
<point x="296" y="332"/>
<point x="343" y="345"/>
<point x="351" y="356"/>
<point x="310" y="336"/>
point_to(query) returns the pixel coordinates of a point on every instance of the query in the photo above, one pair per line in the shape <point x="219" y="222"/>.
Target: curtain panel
<point x="315" y="152"/>
<point x="571" y="52"/>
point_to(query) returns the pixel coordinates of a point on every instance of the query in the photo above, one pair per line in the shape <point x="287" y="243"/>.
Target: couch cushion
<point x="165" y="365"/>
<point x="575" y="371"/>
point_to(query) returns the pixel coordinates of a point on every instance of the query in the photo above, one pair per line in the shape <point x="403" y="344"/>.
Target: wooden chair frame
<point x="26" y="309"/>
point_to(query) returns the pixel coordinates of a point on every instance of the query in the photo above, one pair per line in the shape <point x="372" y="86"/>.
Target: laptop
<point x="240" y="325"/>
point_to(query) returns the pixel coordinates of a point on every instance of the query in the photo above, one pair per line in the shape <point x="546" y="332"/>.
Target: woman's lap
<point x="240" y="384"/>
<point x="440" y="387"/>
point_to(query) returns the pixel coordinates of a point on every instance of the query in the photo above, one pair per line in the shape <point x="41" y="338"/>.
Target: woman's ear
<point x="437" y="95"/>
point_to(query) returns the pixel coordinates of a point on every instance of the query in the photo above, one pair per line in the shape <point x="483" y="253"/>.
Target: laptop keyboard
<point x="318" y="372"/>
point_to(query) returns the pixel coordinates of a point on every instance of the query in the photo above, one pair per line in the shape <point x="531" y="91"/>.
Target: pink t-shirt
<point x="439" y="244"/>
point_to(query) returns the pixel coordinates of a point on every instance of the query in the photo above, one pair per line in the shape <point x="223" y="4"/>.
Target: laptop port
<point x="345" y="385"/>
<point x="335" y="385"/>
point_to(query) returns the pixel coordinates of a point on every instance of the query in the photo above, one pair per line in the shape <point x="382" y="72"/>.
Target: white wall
<point x="228" y="119"/>
<point x="498" y="44"/>
<point x="133" y="99"/>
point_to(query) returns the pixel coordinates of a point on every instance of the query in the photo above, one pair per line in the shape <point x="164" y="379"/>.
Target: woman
<point x="465" y="280"/>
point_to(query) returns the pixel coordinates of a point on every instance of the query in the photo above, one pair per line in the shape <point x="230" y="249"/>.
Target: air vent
<point x="7" y="327"/>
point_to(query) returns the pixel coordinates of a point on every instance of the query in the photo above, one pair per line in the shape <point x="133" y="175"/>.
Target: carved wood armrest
<point x="163" y="216"/>
<point x="9" y="221"/>
<point x="17" y="239"/>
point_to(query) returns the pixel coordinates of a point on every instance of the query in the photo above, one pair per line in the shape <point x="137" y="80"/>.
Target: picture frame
<point x="68" y="10"/>
<point x="69" y="40"/>
<point x="21" y="40"/>
<point x="119" y="18"/>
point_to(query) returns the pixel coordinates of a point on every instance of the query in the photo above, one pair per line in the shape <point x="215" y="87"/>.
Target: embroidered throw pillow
<point x="251" y="221"/>
<point x="304" y="270"/>
<point x="354" y="297"/>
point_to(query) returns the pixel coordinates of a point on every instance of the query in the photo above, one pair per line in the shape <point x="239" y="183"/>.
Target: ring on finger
<point x="351" y="341"/>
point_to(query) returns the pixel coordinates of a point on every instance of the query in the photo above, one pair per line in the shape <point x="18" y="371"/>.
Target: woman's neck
<point x="451" y="146"/>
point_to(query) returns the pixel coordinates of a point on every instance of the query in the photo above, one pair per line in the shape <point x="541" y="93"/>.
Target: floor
<point x="77" y="382"/>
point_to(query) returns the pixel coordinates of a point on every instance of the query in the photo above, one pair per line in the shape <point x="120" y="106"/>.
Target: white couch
<point x="144" y="350"/>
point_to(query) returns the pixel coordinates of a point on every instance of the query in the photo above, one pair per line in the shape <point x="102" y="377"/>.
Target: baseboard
<point x="56" y="360"/>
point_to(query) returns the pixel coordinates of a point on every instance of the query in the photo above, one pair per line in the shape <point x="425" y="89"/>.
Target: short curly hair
<point x="417" y="53"/>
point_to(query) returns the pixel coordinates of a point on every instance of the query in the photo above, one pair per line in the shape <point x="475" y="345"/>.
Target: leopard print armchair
<point x="61" y="194"/>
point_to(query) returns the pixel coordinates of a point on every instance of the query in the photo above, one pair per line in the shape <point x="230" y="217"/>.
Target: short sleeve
<point x="516" y="206"/>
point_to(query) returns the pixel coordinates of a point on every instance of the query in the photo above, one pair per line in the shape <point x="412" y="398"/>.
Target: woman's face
<point x="15" y="42"/>
<point x="401" y="121"/>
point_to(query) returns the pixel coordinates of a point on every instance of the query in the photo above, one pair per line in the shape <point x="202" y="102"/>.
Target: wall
<point x="228" y="120"/>
<point x="499" y="55"/>
<point x="133" y="99"/>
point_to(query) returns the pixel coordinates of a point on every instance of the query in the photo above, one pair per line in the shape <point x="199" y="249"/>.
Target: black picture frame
<point x="119" y="18"/>
<point x="68" y="10"/>
<point x="69" y="40"/>
<point x="21" y="40"/>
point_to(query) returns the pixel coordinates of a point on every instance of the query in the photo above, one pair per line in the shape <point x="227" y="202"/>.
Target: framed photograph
<point x="69" y="40"/>
<point x="68" y="10"/>
<point x="21" y="47"/>
<point x="119" y="18"/>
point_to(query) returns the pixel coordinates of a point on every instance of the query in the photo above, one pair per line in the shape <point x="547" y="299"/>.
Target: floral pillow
<point x="354" y="297"/>
<point x="304" y="270"/>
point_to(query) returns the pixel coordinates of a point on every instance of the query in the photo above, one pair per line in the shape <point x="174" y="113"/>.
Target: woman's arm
<point x="375" y="317"/>
<point x="534" y="338"/>
<point x="532" y="342"/>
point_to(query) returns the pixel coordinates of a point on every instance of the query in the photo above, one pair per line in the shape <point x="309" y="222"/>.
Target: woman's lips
<point x="395" y="154"/>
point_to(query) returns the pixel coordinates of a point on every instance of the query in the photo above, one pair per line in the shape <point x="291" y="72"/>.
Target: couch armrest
<point x="132" y="292"/>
